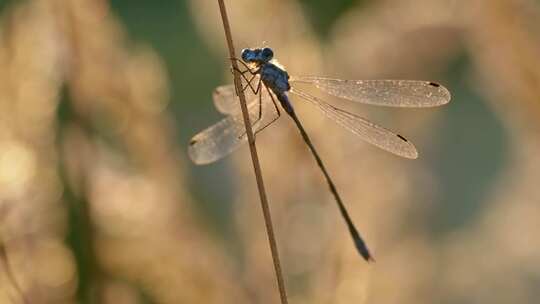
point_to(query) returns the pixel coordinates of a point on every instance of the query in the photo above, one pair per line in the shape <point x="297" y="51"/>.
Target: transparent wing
<point x="227" y="135"/>
<point x="226" y="101"/>
<point x="365" y="129"/>
<point x="393" y="93"/>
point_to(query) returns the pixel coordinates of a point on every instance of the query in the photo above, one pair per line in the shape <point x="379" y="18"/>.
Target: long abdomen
<point x="285" y="103"/>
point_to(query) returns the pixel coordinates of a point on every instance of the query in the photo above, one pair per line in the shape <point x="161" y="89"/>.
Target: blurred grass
<point x="468" y="157"/>
<point x="469" y="130"/>
<point x="322" y="14"/>
<point x="471" y="133"/>
<point x="193" y="73"/>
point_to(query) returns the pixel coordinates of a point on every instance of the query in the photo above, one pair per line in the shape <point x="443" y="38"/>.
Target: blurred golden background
<point x="99" y="202"/>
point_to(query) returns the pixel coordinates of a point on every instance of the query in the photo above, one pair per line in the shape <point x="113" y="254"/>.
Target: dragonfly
<point x="268" y="84"/>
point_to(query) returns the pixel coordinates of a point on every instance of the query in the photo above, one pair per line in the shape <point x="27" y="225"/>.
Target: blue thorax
<point x="272" y="75"/>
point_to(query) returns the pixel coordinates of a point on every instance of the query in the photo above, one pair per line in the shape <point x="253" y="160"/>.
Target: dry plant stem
<point x="254" y="157"/>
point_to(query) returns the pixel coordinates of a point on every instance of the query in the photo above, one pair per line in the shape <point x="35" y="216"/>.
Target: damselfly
<point x="268" y="82"/>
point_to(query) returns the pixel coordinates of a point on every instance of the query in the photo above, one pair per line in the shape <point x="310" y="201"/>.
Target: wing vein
<point x="366" y="130"/>
<point x="392" y="93"/>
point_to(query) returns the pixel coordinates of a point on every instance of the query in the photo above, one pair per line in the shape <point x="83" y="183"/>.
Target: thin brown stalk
<point x="254" y="157"/>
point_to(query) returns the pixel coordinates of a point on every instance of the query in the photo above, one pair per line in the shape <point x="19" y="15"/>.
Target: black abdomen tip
<point x="363" y="250"/>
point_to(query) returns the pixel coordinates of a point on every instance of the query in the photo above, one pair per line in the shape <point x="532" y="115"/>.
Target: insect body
<point x="273" y="76"/>
<point x="273" y="83"/>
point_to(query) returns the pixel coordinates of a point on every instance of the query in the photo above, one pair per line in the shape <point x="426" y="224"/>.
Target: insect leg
<point x="242" y="74"/>
<point x="277" y="111"/>
<point x="259" y="91"/>
<point x="248" y="69"/>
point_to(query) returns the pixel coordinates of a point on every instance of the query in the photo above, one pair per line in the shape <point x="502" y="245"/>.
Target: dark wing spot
<point x="402" y="138"/>
<point x="192" y="142"/>
<point x="434" y="84"/>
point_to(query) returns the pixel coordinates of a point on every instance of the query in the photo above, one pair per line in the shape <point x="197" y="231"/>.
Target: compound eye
<point x="245" y="54"/>
<point x="267" y="54"/>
